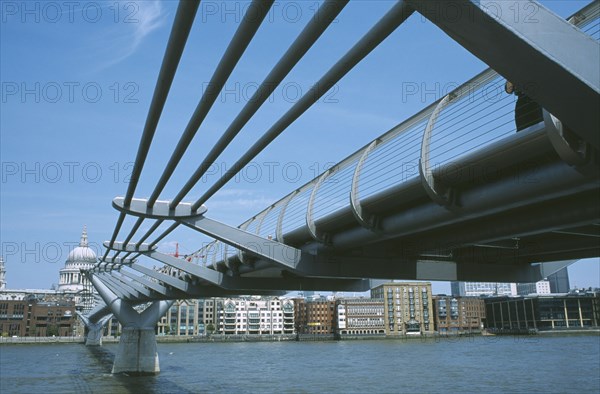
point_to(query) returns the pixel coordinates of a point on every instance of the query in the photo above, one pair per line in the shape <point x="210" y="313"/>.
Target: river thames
<point x="535" y="364"/>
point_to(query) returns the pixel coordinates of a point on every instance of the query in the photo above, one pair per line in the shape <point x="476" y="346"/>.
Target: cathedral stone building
<point x="82" y="257"/>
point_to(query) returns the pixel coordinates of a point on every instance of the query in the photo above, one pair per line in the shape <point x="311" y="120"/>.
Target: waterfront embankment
<point x="297" y="337"/>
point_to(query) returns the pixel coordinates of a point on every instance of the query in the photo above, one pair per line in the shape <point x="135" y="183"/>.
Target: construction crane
<point x="187" y="257"/>
<point x="176" y="254"/>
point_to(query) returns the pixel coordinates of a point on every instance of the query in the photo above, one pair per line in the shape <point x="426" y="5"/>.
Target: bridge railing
<point x="472" y="117"/>
<point x="394" y="158"/>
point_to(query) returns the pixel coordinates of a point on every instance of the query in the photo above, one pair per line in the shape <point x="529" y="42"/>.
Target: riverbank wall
<point x="293" y="337"/>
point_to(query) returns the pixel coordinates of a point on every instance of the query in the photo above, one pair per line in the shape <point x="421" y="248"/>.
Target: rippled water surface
<point x="539" y="364"/>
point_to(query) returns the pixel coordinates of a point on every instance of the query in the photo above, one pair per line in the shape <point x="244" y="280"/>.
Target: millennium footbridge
<point x="452" y="193"/>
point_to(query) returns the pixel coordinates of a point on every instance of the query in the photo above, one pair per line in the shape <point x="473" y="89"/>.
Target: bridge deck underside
<point x="524" y="209"/>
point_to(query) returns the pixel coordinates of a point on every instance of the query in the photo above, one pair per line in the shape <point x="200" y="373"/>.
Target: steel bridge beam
<point x="184" y="213"/>
<point x="543" y="55"/>
<point x="129" y="292"/>
<point x="166" y="293"/>
<point x="520" y="222"/>
<point x="144" y="291"/>
<point x="276" y="252"/>
<point x="250" y="284"/>
<point x="525" y="188"/>
<point x="118" y="290"/>
<point x="192" y="290"/>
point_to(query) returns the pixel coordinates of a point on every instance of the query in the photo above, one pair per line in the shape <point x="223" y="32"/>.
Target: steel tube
<point x="391" y="20"/>
<point x="554" y="181"/>
<point x="309" y="35"/>
<point x="251" y="21"/>
<point x="184" y="19"/>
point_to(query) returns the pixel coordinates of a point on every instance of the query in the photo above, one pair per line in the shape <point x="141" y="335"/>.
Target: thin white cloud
<point x="236" y="192"/>
<point x="371" y="120"/>
<point x="150" y="19"/>
<point x="125" y="38"/>
<point x="242" y="203"/>
<point x="238" y="199"/>
<point x="169" y="246"/>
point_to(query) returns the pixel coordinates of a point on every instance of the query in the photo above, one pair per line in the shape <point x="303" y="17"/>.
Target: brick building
<point x="314" y="317"/>
<point x="458" y="314"/>
<point x="31" y="317"/>
<point x="408" y="307"/>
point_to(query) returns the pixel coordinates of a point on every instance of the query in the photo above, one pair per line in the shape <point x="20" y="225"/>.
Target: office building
<point x="477" y="289"/>
<point x="541" y="287"/>
<point x="559" y="281"/>
<point x="544" y="312"/>
<point x="184" y="317"/>
<point x="360" y="316"/>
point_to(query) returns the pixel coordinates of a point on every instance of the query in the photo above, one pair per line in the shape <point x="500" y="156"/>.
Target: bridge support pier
<point x="93" y="337"/>
<point x="136" y="354"/>
<point x="93" y="331"/>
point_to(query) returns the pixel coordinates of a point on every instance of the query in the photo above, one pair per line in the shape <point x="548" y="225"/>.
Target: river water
<point x="536" y="364"/>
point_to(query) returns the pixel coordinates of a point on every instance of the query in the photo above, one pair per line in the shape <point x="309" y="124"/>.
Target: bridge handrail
<point x="582" y="18"/>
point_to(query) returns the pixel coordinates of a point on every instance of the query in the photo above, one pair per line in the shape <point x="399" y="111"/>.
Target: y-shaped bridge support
<point x="93" y="334"/>
<point x="137" y="346"/>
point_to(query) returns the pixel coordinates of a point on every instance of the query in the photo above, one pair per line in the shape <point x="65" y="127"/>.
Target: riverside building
<point x="184" y="317"/>
<point x="544" y="312"/>
<point x="557" y="283"/>
<point x="360" y="316"/>
<point x="454" y="315"/>
<point x="408" y="307"/>
<point x="256" y="315"/>
<point x="315" y="317"/>
<point x="30" y="317"/>
<point x="212" y="306"/>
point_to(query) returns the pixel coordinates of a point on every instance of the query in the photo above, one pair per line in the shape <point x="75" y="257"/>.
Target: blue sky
<point x="76" y="86"/>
